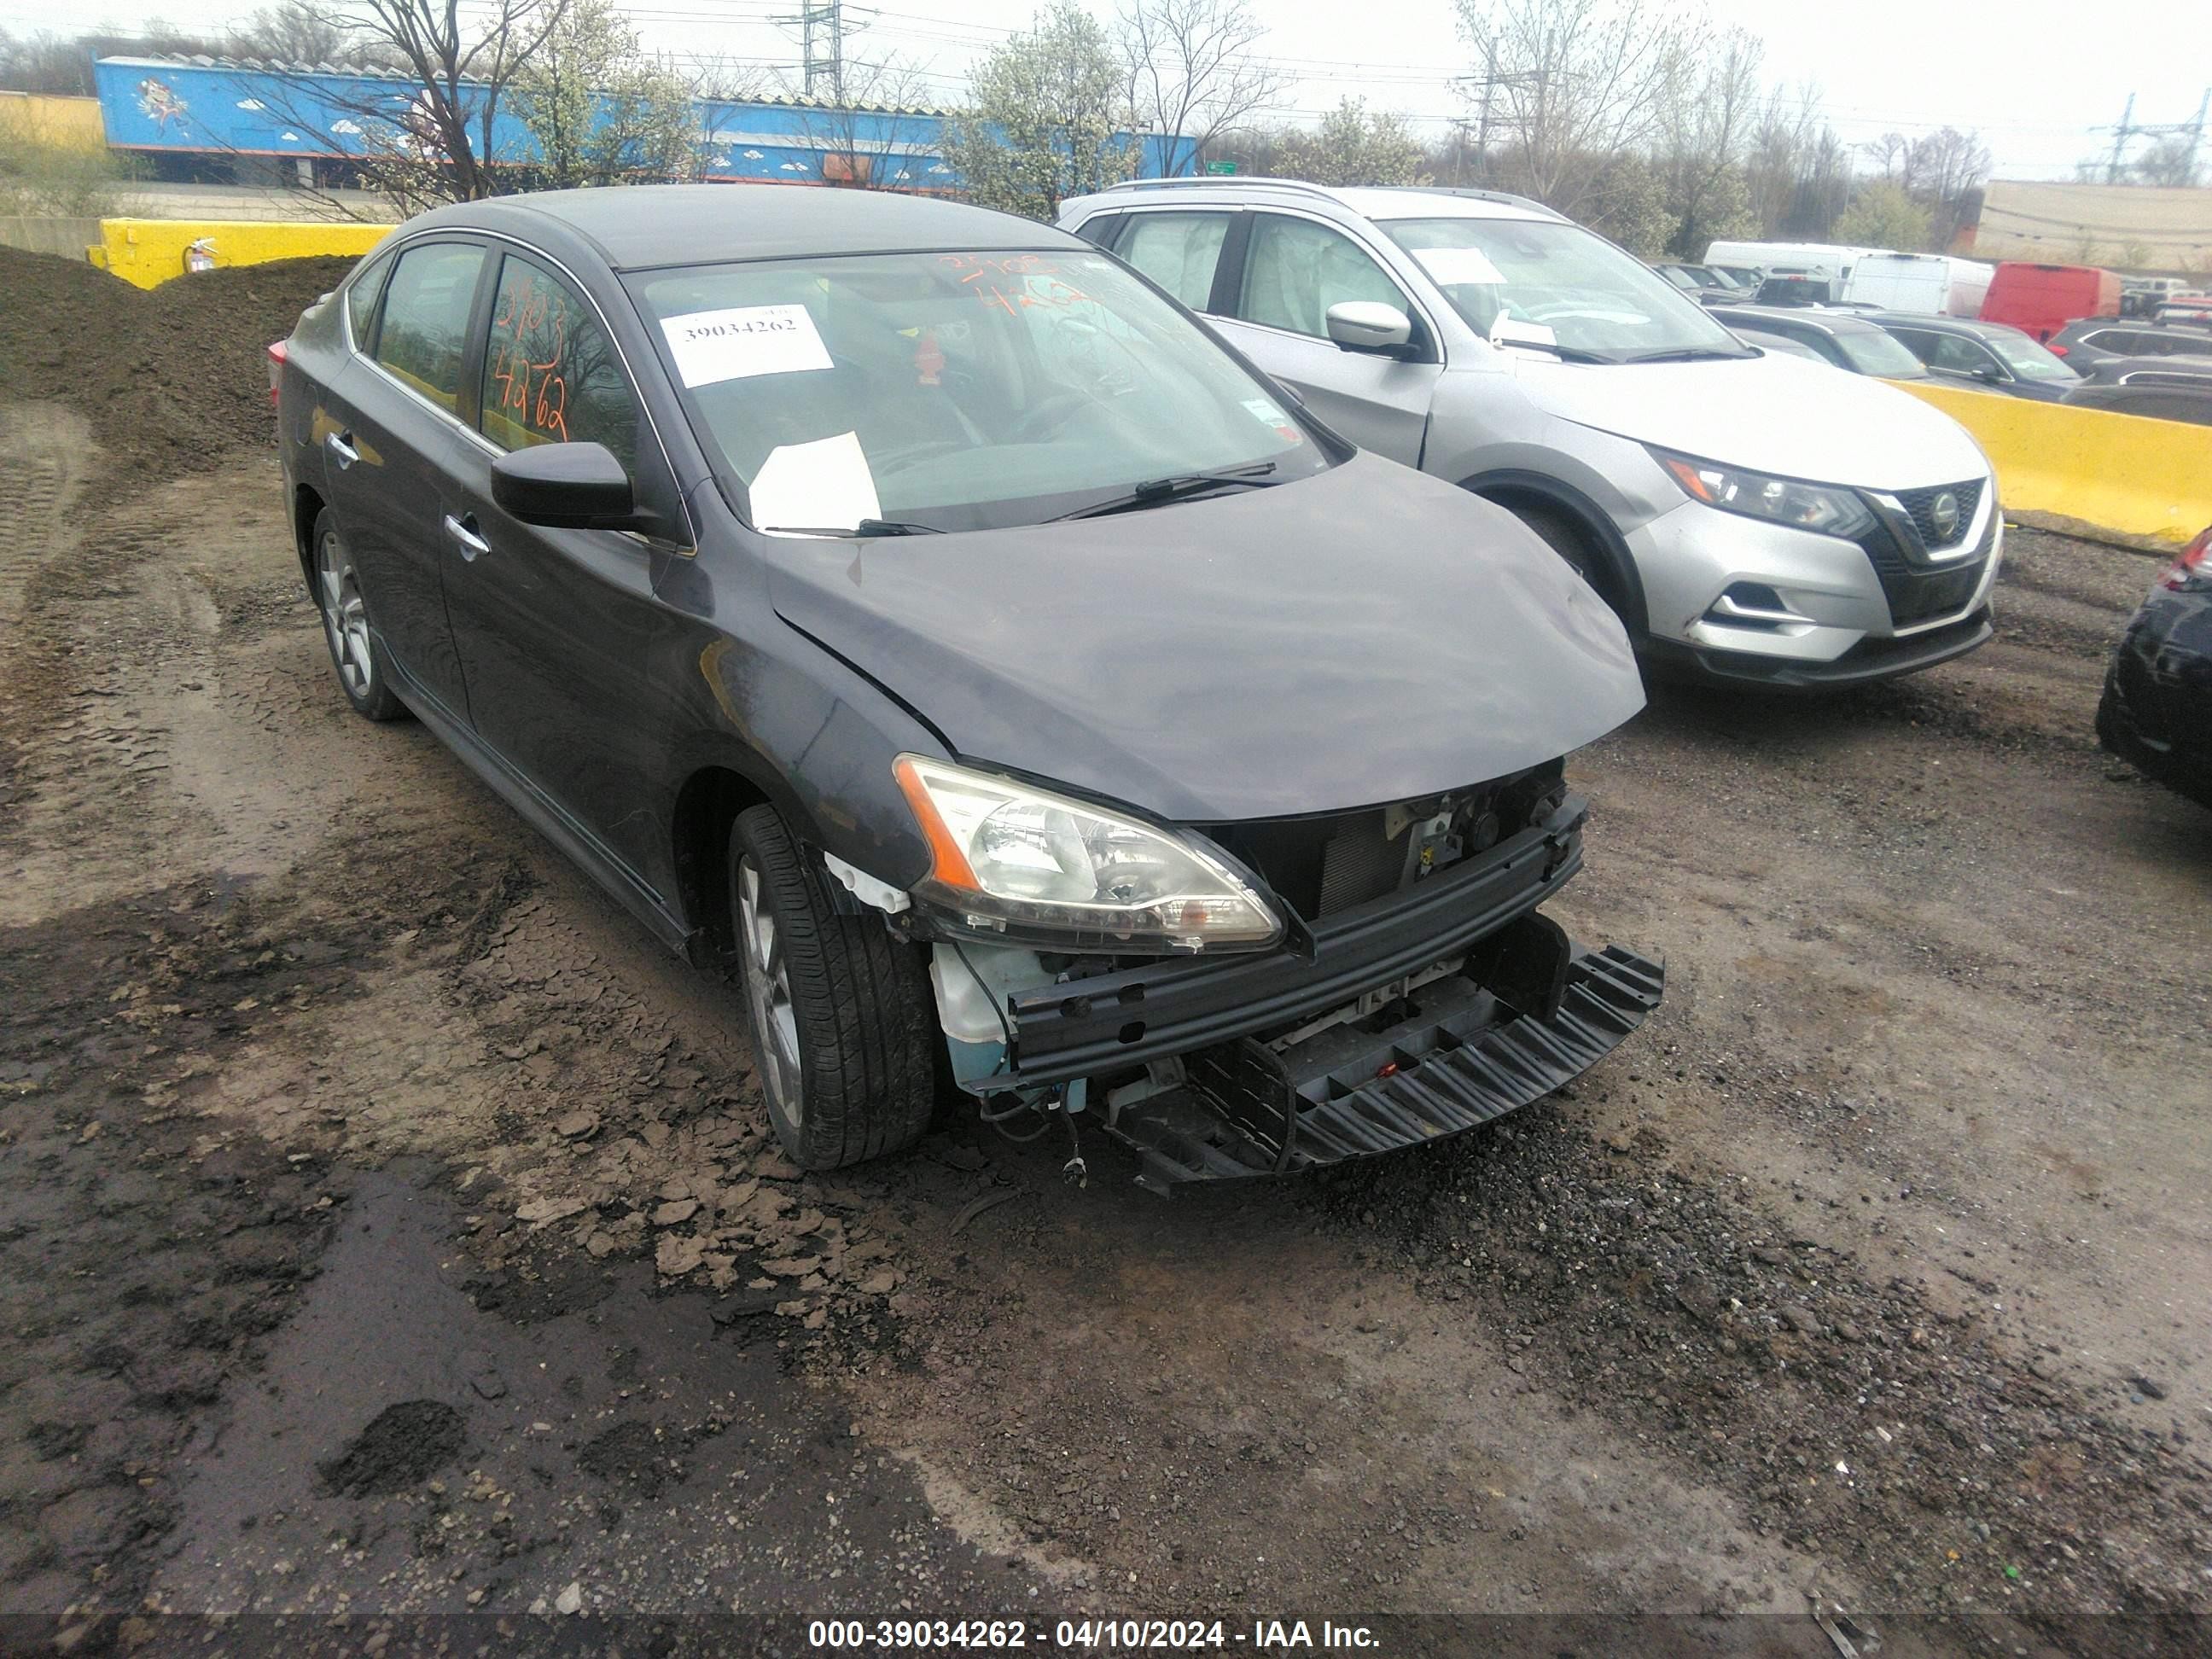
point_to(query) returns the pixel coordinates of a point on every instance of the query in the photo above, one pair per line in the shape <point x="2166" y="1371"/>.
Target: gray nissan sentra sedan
<point x="913" y="608"/>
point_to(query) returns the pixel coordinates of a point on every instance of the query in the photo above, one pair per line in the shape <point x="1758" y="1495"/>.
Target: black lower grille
<point x="1917" y="592"/>
<point x="1920" y="506"/>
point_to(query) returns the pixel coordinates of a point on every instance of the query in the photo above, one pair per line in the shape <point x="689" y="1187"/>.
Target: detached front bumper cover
<point x="1117" y="1021"/>
<point x="1251" y="1110"/>
<point x="1527" y="1012"/>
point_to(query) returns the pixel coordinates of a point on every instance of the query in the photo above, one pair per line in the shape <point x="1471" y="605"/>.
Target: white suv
<point x="1754" y="518"/>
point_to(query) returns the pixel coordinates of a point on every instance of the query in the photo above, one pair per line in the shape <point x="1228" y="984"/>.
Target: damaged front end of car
<point x="1239" y="1000"/>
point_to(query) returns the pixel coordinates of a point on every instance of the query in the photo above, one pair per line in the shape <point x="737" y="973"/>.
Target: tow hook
<point x="1555" y="854"/>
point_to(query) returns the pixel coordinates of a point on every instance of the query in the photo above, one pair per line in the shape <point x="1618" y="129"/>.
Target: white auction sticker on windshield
<point x="1268" y="415"/>
<point x="823" y="485"/>
<point x="713" y="346"/>
<point x="1449" y="266"/>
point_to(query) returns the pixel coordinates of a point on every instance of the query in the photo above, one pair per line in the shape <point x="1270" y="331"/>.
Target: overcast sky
<point x="2033" y="76"/>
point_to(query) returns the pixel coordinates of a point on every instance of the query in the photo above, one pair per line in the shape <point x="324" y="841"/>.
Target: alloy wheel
<point x="345" y="618"/>
<point x="768" y="986"/>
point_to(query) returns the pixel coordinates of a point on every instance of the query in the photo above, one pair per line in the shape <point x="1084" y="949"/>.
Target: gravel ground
<point x="387" y="1228"/>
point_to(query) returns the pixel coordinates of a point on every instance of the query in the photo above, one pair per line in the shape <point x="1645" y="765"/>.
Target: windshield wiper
<point x="1154" y="492"/>
<point x="1564" y="354"/>
<point x="866" y="527"/>
<point x="1688" y="355"/>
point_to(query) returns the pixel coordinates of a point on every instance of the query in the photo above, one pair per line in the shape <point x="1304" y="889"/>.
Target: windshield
<point x="1523" y="281"/>
<point x="1877" y="351"/>
<point x="2028" y="360"/>
<point x="955" y="391"/>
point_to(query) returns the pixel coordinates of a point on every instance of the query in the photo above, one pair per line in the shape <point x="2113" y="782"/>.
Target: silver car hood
<point x="1770" y="414"/>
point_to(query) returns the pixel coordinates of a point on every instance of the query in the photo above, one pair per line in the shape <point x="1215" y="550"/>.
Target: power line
<point x="2193" y="131"/>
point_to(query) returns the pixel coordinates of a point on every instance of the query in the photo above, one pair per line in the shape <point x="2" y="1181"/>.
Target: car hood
<point x="1365" y="635"/>
<point x="1770" y="414"/>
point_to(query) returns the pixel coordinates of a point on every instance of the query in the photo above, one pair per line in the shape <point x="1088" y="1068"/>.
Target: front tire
<point x="345" y="626"/>
<point x="1570" y="544"/>
<point x="844" y="1024"/>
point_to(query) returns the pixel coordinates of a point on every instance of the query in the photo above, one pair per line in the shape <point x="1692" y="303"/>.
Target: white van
<point x="1836" y="258"/>
<point x="1931" y="284"/>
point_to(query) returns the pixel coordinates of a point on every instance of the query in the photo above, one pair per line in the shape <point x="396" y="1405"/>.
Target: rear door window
<point x="551" y="373"/>
<point x="360" y="300"/>
<point x="1178" y="251"/>
<point x="1294" y="271"/>
<point x="423" y="338"/>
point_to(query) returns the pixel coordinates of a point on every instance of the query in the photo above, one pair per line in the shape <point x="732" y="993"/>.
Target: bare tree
<point x="1936" y="172"/>
<point x="2172" y="162"/>
<point x="1796" y="171"/>
<point x="45" y="62"/>
<point x="1573" y="83"/>
<point x="299" y="32"/>
<point x="1707" y="127"/>
<point x="428" y="140"/>
<point x="1948" y="167"/>
<point x="874" y="133"/>
<point x="1193" y="74"/>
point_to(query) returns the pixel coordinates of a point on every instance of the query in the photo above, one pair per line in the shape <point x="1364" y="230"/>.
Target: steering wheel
<point x="1052" y="414"/>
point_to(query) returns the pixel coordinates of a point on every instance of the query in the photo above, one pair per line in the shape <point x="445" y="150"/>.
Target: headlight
<point x="1832" y="512"/>
<point x="1024" y="863"/>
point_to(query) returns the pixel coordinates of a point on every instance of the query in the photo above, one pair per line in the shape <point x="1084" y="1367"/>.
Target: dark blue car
<point x="2156" y="713"/>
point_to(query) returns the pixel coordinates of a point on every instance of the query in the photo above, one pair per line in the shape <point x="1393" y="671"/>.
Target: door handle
<point x="340" y="444"/>
<point x="464" y="532"/>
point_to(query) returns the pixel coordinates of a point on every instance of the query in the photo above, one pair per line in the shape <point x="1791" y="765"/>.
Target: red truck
<point x="2043" y="299"/>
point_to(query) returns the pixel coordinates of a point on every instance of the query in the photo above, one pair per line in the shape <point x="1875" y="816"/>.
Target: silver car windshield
<point x="1532" y="281"/>
<point x="958" y="390"/>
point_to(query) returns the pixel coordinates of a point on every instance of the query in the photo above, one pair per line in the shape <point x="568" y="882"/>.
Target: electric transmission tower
<point x="822" y="27"/>
<point x="2192" y="130"/>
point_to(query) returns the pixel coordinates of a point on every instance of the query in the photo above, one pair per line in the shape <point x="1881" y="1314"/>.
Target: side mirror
<point x="567" y="487"/>
<point x="1368" y="326"/>
<point x="1989" y="374"/>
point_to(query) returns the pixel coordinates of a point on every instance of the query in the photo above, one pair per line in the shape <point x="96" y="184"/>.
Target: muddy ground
<point x="388" y="1227"/>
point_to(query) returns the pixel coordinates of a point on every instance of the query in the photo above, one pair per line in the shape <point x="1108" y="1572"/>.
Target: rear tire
<point x="843" y="1023"/>
<point x="336" y="587"/>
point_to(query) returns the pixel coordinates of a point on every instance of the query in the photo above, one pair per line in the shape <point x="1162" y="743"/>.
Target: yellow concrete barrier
<point x="150" y="251"/>
<point x="2121" y="473"/>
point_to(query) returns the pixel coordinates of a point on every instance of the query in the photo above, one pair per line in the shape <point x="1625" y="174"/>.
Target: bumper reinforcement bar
<point x="1248" y="1111"/>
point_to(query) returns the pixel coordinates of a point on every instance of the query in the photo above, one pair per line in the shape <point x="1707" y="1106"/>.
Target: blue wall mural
<point x="210" y="109"/>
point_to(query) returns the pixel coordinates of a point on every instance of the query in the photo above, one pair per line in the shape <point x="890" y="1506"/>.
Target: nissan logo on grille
<point x="1943" y="515"/>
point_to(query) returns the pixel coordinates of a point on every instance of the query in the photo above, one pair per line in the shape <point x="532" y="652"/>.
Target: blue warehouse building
<point x="258" y="122"/>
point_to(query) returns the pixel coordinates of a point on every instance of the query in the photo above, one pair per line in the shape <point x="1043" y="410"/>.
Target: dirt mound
<point x="404" y="1444"/>
<point x="172" y="378"/>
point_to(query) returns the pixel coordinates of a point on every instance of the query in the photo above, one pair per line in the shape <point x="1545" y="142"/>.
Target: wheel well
<point x="307" y="506"/>
<point x="706" y="807"/>
<point x="1611" y="555"/>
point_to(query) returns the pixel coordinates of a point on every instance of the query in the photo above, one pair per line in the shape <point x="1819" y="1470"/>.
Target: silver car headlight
<point x="1827" y="509"/>
<point x="1011" y="860"/>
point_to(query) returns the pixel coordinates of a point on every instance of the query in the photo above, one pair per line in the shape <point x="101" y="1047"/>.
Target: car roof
<point x="2189" y="365"/>
<point x="1828" y="320"/>
<point x="1969" y="326"/>
<point x="640" y="227"/>
<point x="1368" y="201"/>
